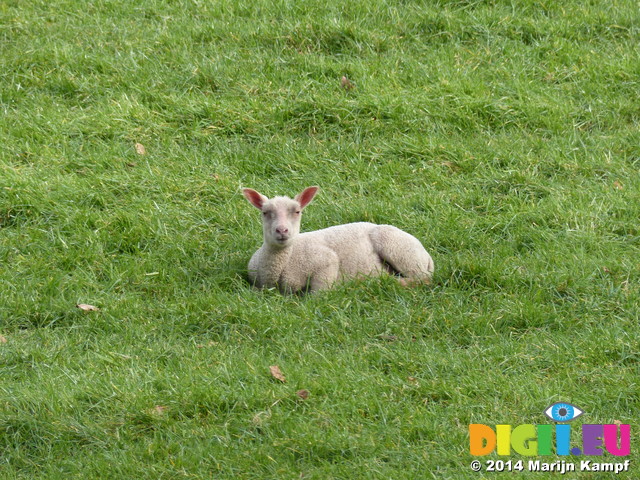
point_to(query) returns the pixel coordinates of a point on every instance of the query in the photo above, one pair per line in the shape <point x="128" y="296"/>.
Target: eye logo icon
<point x="563" y="412"/>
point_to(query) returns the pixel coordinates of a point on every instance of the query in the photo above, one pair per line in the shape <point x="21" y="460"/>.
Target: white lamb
<point x="294" y="261"/>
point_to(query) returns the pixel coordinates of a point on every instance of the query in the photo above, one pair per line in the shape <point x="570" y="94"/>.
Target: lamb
<point x="294" y="261"/>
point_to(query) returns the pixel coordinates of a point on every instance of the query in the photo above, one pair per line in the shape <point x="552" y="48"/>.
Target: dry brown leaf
<point x="261" y="417"/>
<point x="159" y="410"/>
<point x="140" y="150"/>
<point x="617" y="422"/>
<point x="388" y="338"/>
<point x="346" y="83"/>
<point x="412" y="379"/>
<point x="87" y="308"/>
<point x="452" y="166"/>
<point x="303" y="394"/>
<point x="618" y="185"/>
<point x="277" y="373"/>
<point x="3" y="339"/>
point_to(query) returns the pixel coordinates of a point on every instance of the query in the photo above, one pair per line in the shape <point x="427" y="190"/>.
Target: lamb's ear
<point x="304" y="198"/>
<point x="255" y="198"/>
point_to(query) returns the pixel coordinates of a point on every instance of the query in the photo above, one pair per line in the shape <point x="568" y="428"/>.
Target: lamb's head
<point x="280" y="215"/>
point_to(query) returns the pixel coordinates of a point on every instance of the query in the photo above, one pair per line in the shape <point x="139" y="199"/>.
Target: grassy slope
<point x="506" y="138"/>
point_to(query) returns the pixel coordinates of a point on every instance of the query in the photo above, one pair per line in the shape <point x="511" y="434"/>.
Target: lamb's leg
<point x="403" y="252"/>
<point x="324" y="277"/>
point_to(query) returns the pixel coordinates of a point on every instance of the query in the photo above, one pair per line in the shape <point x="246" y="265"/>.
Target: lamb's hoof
<point x="413" y="282"/>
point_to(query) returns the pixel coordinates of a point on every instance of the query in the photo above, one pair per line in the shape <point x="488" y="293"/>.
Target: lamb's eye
<point x="297" y="212"/>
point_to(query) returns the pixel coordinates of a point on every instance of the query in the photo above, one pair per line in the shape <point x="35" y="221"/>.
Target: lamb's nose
<point x="282" y="230"/>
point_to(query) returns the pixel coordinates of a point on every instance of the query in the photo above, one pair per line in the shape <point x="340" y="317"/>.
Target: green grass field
<point x="504" y="135"/>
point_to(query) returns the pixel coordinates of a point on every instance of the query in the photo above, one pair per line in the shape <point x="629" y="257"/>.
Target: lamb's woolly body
<point x="295" y="261"/>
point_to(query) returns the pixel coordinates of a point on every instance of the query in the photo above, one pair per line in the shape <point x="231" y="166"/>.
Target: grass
<point x="502" y="134"/>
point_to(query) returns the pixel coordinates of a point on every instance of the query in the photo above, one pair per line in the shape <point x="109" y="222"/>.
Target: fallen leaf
<point x="618" y="185"/>
<point x="260" y="417"/>
<point x="159" y="410"/>
<point x="140" y="150"/>
<point x="87" y="308"/>
<point x="606" y="270"/>
<point x="277" y="373"/>
<point x="617" y="422"/>
<point x="3" y="339"/>
<point x="303" y="394"/>
<point x="412" y="379"/>
<point x="450" y="165"/>
<point x="388" y="338"/>
<point x="346" y="83"/>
